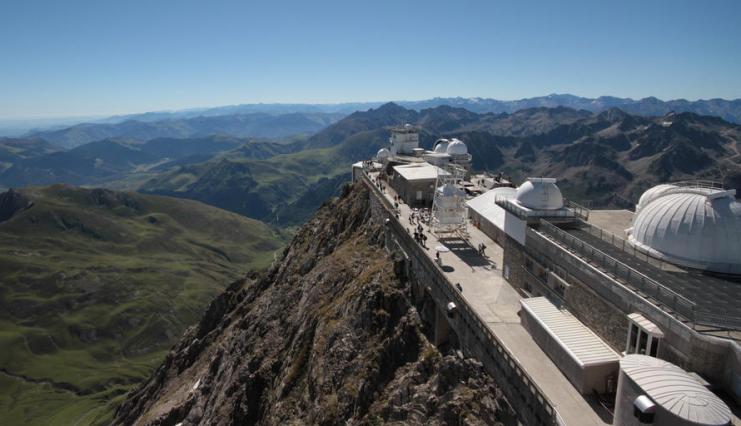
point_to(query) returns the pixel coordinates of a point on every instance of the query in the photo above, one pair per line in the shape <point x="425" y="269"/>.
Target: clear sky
<point x="98" y="57"/>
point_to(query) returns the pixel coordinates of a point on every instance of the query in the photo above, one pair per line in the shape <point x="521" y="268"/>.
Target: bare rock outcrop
<point x="327" y="336"/>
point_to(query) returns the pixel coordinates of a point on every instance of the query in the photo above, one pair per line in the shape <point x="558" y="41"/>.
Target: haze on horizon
<point x="88" y="58"/>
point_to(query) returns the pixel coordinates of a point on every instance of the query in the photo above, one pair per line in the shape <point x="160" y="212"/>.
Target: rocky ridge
<point x="328" y="335"/>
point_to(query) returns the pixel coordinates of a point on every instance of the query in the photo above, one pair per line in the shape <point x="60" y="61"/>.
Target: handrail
<point x="512" y="207"/>
<point x="699" y="183"/>
<point x="630" y="276"/>
<point x="509" y="360"/>
<point x="702" y="316"/>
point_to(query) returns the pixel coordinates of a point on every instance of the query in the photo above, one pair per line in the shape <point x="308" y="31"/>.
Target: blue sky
<point x="71" y="58"/>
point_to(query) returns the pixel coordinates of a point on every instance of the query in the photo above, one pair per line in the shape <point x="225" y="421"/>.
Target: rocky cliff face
<point x="328" y="335"/>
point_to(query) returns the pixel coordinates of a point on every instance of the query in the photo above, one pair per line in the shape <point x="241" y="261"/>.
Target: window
<point x="640" y="340"/>
<point x="632" y="338"/>
<point x="419" y="195"/>
<point x="654" y="351"/>
<point x="642" y="343"/>
<point x="506" y="272"/>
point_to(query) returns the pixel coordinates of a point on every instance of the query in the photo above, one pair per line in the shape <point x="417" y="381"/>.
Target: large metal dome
<point x="652" y="194"/>
<point x="456" y="147"/>
<point x="691" y="226"/>
<point x="539" y="194"/>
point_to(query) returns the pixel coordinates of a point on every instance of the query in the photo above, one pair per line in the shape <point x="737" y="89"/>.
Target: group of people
<point x="419" y="236"/>
<point x="379" y="184"/>
<point x="417" y="216"/>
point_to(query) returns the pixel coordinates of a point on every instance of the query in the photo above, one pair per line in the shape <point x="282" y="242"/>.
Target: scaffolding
<point x="448" y="205"/>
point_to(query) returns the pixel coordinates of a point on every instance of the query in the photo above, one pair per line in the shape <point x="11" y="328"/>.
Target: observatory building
<point x="640" y="307"/>
<point x="663" y="282"/>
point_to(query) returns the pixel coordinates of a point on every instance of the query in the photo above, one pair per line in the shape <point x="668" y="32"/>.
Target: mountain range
<point x="602" y="159"/>
<point x="257" y="125"/>
<point x="729" y="110"/>
<point x="97" y="283"/>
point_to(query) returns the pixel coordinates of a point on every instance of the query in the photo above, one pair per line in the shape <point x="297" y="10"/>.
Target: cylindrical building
<point x="653" y="391"/>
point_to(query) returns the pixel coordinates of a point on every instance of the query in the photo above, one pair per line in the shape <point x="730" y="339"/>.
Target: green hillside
<point x="95" y="287"/>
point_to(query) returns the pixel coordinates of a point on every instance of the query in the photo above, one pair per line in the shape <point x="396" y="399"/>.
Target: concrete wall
<point x="513" y="261"/>
<point x="599" y="315"/>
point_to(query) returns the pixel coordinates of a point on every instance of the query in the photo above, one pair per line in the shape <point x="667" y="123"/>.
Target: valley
<point x="97" y="284"/>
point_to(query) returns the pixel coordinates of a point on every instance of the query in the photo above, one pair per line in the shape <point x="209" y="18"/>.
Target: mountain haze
<point x="258" y="125"/>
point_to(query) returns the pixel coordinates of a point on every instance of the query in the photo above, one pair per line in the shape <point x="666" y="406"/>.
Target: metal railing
<point x="580" y="211"/>
<point x="671" y="300"/>
<point x="699" y="183"/>
<point x="524" y="214"/>
<point x="716" y="318"/>
<point x="624" y="245"/>
<point x="525" y="387"/>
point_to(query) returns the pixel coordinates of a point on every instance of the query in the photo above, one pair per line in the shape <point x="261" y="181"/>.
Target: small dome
<point x="441" y="146"/>
<point x="652" y="194"/>
<point x="539" y="194"/>
<point x="456" y="147"/>
<point x="695" y="227"/>
<point x="383" y="154"/>
<point x="673" y="389"/>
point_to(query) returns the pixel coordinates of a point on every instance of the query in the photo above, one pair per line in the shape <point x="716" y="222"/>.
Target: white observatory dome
<point x="695" y="227"/>
<point x="456" y="147"/>
<point x="652" y="194"/>
<point x="383" y="155"/>
<point x="441" y="146"/>
<point x="539" y="194"/>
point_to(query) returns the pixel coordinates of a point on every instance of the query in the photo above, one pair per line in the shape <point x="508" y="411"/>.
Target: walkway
<point x="498" y="303"/>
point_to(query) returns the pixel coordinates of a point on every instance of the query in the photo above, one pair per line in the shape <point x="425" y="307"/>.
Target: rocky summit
<point x="327" y="335"/>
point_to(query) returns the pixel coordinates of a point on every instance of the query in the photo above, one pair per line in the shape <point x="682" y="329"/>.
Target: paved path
<point x="498" y="303"/>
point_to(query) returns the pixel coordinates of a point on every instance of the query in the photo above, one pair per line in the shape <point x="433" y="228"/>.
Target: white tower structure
<point x="448" y="204"/>
<point x="404" y="140"/>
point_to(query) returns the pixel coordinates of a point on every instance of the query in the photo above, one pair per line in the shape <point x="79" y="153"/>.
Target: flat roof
<point x="675" y="390"/>
<point x="419" y="171"/>
<point x="581" y="342"/>
<point x="615" y="221"/>
<point x="485" y="205"/>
